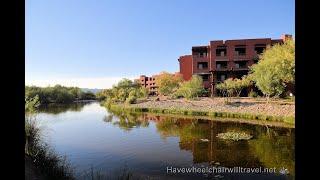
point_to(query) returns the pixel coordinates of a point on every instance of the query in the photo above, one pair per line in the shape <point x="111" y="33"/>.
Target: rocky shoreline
<point x="237" y="105"/>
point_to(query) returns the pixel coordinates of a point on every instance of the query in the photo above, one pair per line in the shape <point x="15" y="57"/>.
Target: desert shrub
<point x="191" y="89"/>
<point x="168" y="83"/>
<point x="253" y="94"/>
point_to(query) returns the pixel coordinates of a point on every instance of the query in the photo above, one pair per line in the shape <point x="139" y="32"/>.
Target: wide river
<point x="98" y="142"/>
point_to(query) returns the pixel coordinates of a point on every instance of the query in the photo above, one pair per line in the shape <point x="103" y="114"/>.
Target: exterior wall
<point x="149" y="83"/>
<point x="237" y="64"/>
<point x="185" y="63"/>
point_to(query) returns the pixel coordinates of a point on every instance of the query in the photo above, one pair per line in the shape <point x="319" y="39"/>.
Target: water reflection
<point x="126" y="121"/>
<point x="91" y="136"/>
<point x="270" y="147"/>
<point x="61" y="108"/>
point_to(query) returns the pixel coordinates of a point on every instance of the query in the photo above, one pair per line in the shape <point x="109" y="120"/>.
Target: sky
<point x="94" y="44"/>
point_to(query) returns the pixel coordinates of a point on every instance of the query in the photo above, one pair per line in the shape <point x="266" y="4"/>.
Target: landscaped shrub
<point x="131" y="100"/>
<point x="253" y="94"/>
<point x="168" y="83"/>
<point x="275" y="69"/>
<point x="191" y="89"/>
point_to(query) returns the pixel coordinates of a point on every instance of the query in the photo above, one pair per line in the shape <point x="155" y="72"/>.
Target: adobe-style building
<point x="150" y="82"/>
<point x="224" y="59"/>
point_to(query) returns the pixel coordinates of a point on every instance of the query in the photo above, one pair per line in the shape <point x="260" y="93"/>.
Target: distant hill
<point x="91" y="90"/>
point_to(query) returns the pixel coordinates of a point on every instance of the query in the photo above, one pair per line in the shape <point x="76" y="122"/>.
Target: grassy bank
<point x="179" y="111"/>
<point x="42" y="162"/>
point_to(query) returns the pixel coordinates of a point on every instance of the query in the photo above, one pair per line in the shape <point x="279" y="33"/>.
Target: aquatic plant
<point x="235" y="136"/>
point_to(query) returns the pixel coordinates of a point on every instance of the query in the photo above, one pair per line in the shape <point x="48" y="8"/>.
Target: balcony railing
<point x="241" y="68"/>
<point x="240" y="54"/>
<point x="223" y="68"/>
<point x="203" y="68"/>
<point x="200" y="55"/>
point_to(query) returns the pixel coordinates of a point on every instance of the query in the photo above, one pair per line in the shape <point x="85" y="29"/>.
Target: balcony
<point x="221" y="53"/>
<point x="240" y="52"/>
<point x="221" y="57"/>
<point x="200" y="58"/>
<point x="223" y="68"/>
<point x="240" y="68"/>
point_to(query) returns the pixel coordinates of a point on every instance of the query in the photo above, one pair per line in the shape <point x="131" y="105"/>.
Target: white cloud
<point x="99" y="82"/>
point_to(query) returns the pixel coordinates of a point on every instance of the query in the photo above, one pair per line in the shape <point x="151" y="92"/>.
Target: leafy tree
<point x="168" y="83"/>
<point x="57" y="94"/>
<point x="31" y="104"/>
<point x="240" y="84"/>
<point x="226" y="88"/>
<point x="233" y="87"/>
<point x="275" y="69"/>
<point x="102" y="95"/>
<point x="192" y="88"/>
<point x="125" y="91"/>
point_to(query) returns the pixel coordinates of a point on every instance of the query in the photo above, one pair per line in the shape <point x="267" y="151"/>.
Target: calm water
<point x="109" y="143"/>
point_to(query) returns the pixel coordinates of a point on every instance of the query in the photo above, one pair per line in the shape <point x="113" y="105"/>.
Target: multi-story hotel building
<point x="224" y="59"/>
<point x="150" y="82"/>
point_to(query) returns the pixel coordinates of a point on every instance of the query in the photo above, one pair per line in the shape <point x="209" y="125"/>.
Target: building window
<point x="259" y="48"/>
<point x="200" y="51"/>
<point x="221" y="65"/>
<point x="221" y="77"/>
<point x="241" y="64"/>
<point x="202" y="65"/>
<point x="205" y="77"/>
<point x="240" y="50"/>
<point x="221" y="51"/>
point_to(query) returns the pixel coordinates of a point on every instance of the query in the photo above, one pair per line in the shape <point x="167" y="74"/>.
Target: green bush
<point x="58" y="94"/>
<point x="168" y="83"/>
<point x="125" y="91"/>
<point x="131" y="100"/>
<point x="191" y="89"/>
<point x="253" y="94"/>
<point x="276" y="68"/>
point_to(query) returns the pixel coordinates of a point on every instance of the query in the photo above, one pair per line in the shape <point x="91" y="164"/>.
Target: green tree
<point x="57" y="94"/>
<point x="275" y="69"/>
<point x="125" y="91"/>
<point x="192" y="88"/>
<point x="168" y="83"/>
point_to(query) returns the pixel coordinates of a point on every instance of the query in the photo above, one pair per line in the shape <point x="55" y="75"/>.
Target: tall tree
<point x="275" y="69"/>
<point x="168" y="83"/>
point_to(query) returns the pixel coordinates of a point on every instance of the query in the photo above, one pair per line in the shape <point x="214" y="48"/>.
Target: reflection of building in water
<point x="270" y="147"/>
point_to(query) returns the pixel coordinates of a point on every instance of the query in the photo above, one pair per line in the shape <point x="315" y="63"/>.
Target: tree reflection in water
<point x="126" y="121"/>
<point x="61" y="108"/>
<point x="270" y="146"/>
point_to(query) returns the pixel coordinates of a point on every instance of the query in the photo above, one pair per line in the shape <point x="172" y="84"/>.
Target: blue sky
<point x="95" y="43"/>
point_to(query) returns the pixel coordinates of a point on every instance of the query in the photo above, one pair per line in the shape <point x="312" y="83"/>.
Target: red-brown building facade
<point x="224" y="59"/>
<point x="150" y="82"/>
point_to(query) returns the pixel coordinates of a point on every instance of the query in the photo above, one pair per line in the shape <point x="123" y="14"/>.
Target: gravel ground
<point x="240" y="105"/>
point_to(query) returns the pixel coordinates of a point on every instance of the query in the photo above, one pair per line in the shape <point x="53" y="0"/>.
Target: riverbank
<point x="242" y="108"/>
<point x="41" y="162"/>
